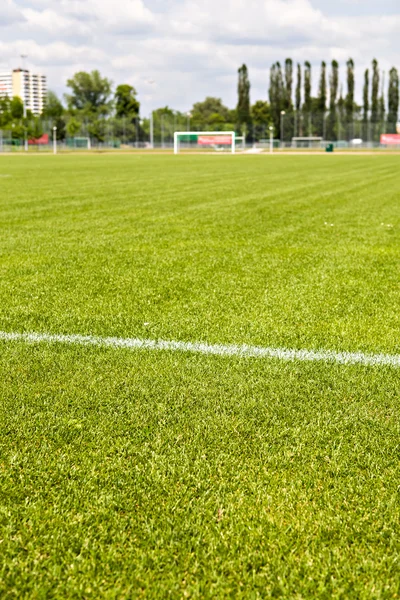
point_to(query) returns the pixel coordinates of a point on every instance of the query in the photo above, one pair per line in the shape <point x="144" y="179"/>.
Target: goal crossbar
<point x="212" y="135"/>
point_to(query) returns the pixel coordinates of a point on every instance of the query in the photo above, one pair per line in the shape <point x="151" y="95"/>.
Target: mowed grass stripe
<point x="245" y="351"/>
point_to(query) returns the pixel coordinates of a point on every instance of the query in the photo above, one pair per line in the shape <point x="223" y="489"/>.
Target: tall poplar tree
<point x="333" y="92"/>
<point x="366" y="105"/>
<point x="366" y="96"/>
<point x="243" y="107"/>
<point x="322" y="93"/>
<point x="375" y="92"/>
<point x="276" y="95"/>
<point x="341" y="107"/>
<point x="288" y="104"/>
<point x="393" y="99"/>
<point x="298" y="88"/>
<point x="307" y="87"/>
<point x="381" y="103"/>
<point x="349" y="102"/>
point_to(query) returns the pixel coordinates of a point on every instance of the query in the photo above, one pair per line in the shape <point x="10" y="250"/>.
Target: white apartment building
<point x="30" y="87"/>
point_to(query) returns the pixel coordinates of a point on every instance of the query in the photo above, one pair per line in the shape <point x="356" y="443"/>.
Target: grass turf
<point x="140" y="474"/>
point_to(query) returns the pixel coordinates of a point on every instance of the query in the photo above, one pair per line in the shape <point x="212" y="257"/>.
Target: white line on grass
<point x="328" y="356"/>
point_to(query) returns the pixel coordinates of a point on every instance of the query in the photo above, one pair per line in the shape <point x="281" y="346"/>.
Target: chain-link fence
<point x="288" y="129"/>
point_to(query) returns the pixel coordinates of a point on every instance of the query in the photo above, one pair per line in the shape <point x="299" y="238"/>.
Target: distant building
<point x="30" y="87"/>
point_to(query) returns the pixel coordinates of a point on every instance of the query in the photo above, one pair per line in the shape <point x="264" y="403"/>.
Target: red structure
<point x="390" y="139"/>
<point x="42" y="141"/>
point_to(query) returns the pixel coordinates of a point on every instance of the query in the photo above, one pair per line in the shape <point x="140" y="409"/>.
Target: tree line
<point x="92" y="108"/>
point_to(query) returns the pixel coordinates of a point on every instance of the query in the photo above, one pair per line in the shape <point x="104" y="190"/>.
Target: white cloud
<point x="9" y="14"/>
<point x="191" y="48"/>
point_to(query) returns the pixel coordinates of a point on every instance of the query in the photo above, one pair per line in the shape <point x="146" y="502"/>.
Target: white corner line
<point x="285" y="354"/>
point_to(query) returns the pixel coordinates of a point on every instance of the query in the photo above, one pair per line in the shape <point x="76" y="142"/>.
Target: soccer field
<point x="205" y="469"/>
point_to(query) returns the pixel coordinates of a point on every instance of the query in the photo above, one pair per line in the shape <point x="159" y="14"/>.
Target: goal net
<point x="307" y="142"/>
<point x="203" y="141"/>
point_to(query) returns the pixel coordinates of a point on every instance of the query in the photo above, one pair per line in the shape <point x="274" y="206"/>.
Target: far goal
<point x="203" y="141"/>
<point x="307" y="142"/>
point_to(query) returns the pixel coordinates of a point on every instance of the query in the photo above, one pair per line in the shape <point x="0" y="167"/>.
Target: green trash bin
<point x="329" y="148"/>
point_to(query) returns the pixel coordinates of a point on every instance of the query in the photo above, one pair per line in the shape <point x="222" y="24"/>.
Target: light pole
<point x="189" y="116"/>
<point x="152" y="83"/>
<point x="151" y="130"/>
<point x="271" y="140"/>
<point x="283" y="113"/>
<point x="162" y="130"/>
<point x="23" y="56"/>
<point x="54" y="140"/>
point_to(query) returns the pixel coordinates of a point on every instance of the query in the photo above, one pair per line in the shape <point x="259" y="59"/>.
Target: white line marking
<point x="328" y="356"/>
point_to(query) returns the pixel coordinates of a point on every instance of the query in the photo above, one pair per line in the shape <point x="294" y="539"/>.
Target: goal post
<point x="307" y="142"/>
<point x="218" y="140"/>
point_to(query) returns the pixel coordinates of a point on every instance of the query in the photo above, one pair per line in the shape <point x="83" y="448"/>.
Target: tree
<point x="322" y="93"/>
<point x="243" y="106"/>
<point x="381" y="104"/>
<point x="53" y="107"/>
<point x="5" y="111"/>
<point x="276" y="95"/>
<point x="97" y="129"/>
<point x="126" y="104"/>
<point x="288" y="102"/>
<point x="307" y="87"/>
<point x="375" y="92"/>
<point x="54" y="112"/>
<point x="202" y="111"/>
<point x="73" y="127"/>
<point x="261" y="117"/>
<point x="341" y="108"/>
<point x="366" y="96"/>
<point x="333" y="92"/>
<point x="349" y="101"/>
<point x="90" y="92"/>
<point x="16" y="108"/>
<point x="35" y="130"/>
<point x="298" y="88"/>
<point x="393" y="99"/>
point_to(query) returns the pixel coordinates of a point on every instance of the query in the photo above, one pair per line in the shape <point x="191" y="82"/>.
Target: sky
<point x="177" y="52"/>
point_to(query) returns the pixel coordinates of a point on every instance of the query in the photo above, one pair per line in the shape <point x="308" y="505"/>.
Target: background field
<point x="128" y="474"/>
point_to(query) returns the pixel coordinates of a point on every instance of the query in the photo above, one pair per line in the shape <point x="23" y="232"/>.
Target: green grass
<point x="154" y="474"/>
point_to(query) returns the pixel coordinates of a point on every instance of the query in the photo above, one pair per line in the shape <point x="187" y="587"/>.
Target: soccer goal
<point x="79" y="142"/>
<point x="307" y="142"/>
<point x="218" y="141"/>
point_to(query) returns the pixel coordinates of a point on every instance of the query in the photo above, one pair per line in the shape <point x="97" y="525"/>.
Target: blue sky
<point x="176" y="52"/>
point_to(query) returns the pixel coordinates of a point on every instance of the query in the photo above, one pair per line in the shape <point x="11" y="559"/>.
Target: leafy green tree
<point x="375" y="92"/>
<point x="35" y="130"/>
<point x="126" y="104"/>
<point x="90" y="92"/>
<point x="16" y="108"/>
<point x="243" y="106"/>
<point x="366" y="96"/>
<point x="298" y="88"/>
<point x="97" y="129"/>
<point x="55" y="113"/>
<point x="349" y="102"/>
<point x="53" y="108"/>
<point x="262" y="119"/>
<point x="341" y="112"/>
<point x="333" y="92"/>
<point x="202" y="111"/>
<point x="5" y="111"/>
<point x="307" y="87"/>
<point x="73" y="127"/>
<point x="322" y="93"/>
<point x="288" y="102"/>
<point x="276" y="95"/>
<point x="382" y="108"/>
<point x="393" y="100"/>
